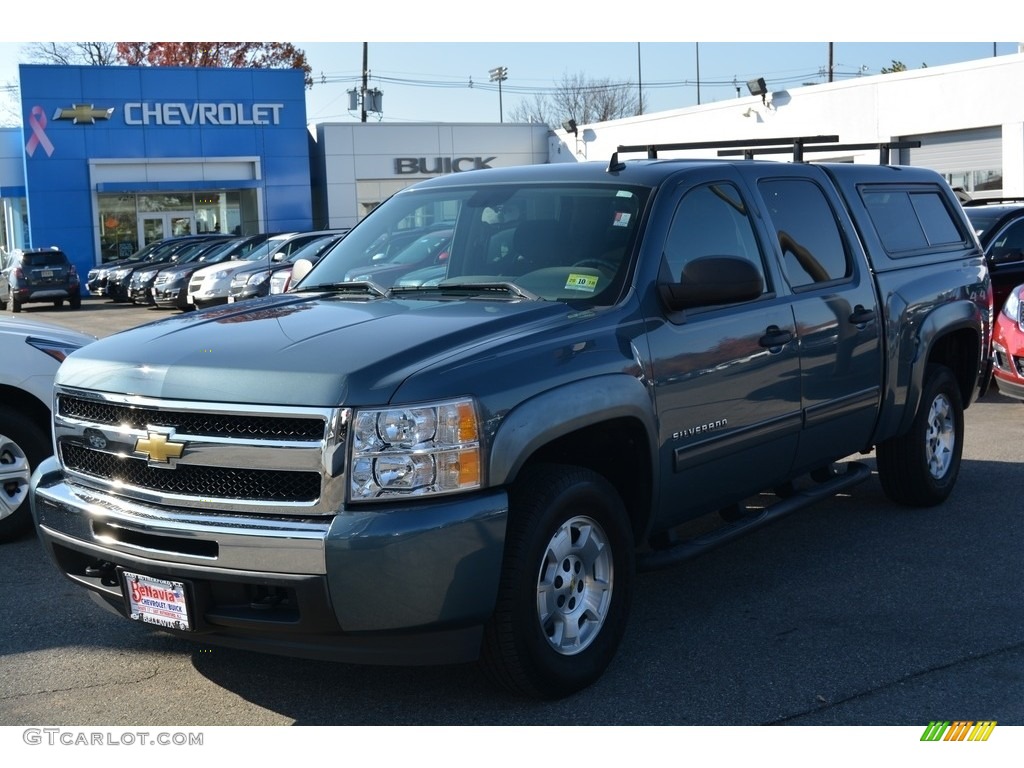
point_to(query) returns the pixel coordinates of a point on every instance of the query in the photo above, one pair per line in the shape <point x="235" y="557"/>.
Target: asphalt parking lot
<point x="854" y="612"/>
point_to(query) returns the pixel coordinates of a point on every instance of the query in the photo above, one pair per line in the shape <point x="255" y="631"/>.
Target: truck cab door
<point x="836" y="308"/>
<point x="725" y="376"/>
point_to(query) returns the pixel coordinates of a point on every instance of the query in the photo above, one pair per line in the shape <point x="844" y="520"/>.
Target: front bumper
<point x="409" y="583"/>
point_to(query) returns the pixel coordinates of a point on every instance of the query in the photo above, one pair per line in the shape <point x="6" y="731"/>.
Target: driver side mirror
<point x="300" y="270"/>
<point x="711" y="281"/>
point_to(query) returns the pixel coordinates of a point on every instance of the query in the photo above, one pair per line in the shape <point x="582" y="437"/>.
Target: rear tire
<point x="15" y="305"/>
<point x="23" y="444"/>
<point x="75" y="302"/>
<point x="566" y="584"/>
<point x="920" y="468"/>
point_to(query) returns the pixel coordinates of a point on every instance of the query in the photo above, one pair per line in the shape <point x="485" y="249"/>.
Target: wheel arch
<point x="951" y="335"/>
<point x="25" y="402"/>
<point x="605" y="423"/>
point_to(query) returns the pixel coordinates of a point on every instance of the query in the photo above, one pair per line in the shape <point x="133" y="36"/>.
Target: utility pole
<point x="366" y="75"/>
<point x="639" y="81"/>
<point x="697" y="49"/>
<point x="499" y="75"/>
<point x="830" y="65"/>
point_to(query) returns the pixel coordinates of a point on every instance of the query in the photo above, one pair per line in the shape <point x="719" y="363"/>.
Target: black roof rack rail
<point x="791" y="143"/>
<point x="883" y="148"/>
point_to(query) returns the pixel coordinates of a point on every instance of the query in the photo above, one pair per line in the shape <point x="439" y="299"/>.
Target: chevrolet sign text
<point x="201" y="113"/>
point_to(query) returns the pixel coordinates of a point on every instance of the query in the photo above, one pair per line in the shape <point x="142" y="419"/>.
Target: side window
<point x="813" y="249"/>
<point x="911" y="220"/>
<point x="1009" y="244"/>
<point x="711" y="220"/>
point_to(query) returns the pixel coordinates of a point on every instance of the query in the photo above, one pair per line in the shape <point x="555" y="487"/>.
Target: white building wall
<point x="879" y="108"/>
<point x="367" y="162"/>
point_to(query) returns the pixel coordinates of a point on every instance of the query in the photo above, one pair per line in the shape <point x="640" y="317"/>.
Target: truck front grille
<point x="205" y="457"/>
<point x="212" y="424"/>
<point x="191" y="480"/>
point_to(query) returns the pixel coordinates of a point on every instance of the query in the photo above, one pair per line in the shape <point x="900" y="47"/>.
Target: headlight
<point x="58" y="350"/>
<point x="258" y="278"/>
<point x="121" y="274"/>
<point x="415" y="451"/>
<point x="1013" y="305"/>
<point x="221" y="274"/>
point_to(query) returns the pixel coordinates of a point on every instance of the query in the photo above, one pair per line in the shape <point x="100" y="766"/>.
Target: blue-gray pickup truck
<point x="473" y="460"/>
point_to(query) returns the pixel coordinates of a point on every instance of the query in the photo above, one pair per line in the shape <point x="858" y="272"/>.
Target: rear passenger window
<point x="812" y="247"/>
<point x="910" y="220"/>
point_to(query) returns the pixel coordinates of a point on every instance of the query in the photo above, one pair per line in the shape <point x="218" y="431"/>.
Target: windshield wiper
<point x="348" y="286"/>
<point x="503" y="288"/>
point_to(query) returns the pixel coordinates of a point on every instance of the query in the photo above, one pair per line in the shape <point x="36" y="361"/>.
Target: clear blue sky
<point x="430" y="81"/>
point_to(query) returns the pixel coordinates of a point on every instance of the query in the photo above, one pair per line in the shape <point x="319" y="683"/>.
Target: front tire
<point x="566" y="584"/>
<point x="920" y="468"/>
<point x="23" y="445"/>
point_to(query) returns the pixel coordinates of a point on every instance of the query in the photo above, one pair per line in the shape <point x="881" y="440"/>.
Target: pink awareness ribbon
<point x="37" y="119"/>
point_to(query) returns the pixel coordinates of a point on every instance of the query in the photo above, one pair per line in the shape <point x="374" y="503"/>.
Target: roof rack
<point x="883" y="147"/>
<point x="747" y="148"/>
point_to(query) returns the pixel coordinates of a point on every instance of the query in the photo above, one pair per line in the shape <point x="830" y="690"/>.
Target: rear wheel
<point x="14" y="305"/>
<point x="566" y="584"/>
<point x="23" y="444"/>
<point x="75" y="302"/>
<point x="920" y="468"/>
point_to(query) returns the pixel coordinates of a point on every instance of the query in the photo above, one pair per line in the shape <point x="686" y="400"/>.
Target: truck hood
<point x="289" y="350"/>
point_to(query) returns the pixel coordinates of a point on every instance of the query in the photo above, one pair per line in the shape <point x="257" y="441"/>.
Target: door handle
<point x="775" y="337"/>
<point x="862" y="316"/>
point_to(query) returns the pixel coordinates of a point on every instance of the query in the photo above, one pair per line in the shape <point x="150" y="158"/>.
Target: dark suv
<point x="999" y="224"/>
<point x="38" y="276"/>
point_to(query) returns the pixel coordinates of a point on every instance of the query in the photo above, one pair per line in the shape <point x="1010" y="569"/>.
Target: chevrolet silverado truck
<point x="618" y="366"/>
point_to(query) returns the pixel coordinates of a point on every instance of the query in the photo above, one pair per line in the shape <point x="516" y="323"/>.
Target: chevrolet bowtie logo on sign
<point x="159" y="450"/>
<point x="83" y="113"/>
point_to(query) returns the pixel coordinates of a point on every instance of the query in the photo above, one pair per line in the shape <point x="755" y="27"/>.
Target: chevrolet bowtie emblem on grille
<point x="158" y="448"/>
<point x="83" y="113"/>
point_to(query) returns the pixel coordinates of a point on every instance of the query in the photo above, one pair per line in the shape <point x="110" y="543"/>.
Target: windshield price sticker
<point x="156" y="601"/>
<point x="577" y="282"/>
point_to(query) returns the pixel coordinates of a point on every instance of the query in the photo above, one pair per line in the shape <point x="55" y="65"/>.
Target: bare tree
<point x="577" y="97"/>
<point x="96" y="54"/>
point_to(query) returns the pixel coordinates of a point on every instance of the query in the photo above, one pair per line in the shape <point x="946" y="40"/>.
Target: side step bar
<point x="689" y="548"/>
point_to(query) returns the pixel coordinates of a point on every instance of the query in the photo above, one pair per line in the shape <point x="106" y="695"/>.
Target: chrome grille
<point x="227" y="458"/>
<point x="212" y="424"/>
<point x="186" y="480"/>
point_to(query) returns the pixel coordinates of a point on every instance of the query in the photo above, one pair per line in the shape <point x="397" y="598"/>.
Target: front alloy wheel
<point x="574" y="586"/>
<point x="566" y="583"/>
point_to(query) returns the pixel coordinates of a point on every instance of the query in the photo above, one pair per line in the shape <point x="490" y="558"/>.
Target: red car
<point x="1008" y="345"/>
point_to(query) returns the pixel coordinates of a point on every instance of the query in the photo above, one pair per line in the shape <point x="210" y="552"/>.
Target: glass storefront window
<point x="128" y="221"/>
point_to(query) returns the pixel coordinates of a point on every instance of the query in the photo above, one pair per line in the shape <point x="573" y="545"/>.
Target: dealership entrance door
<point x="157" y="226"/>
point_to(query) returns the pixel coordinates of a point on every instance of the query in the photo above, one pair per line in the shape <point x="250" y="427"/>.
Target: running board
<point x="689" y="548"/>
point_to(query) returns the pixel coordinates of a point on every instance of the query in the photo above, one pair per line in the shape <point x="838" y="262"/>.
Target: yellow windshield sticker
<point x="577" y="282"/>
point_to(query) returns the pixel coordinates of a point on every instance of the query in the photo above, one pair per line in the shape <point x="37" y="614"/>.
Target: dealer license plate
<point x="46" y="273"/>
<point x="156" y="601"/>
<point x="190" y="298"/>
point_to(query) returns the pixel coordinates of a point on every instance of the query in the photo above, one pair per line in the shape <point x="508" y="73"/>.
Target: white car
<point x="31" y="352"/>
<point x="212" y="285"/>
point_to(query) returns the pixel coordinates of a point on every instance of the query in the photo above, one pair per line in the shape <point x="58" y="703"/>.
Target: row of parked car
<point x="198" y="271"/>
<point x="999" y="225"/>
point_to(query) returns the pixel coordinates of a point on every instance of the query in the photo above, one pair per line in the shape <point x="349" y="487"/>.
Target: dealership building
<point x="110" y="158"/>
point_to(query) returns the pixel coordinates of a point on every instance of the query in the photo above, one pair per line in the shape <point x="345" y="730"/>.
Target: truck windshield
<point x="555" y="242"/>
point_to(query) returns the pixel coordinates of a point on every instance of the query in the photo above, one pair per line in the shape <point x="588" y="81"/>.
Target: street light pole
<point x="499" y="75"/>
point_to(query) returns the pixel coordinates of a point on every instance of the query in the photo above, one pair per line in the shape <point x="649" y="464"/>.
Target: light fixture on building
<point x="569" y="126"/>
<point x="758" y="87"/>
